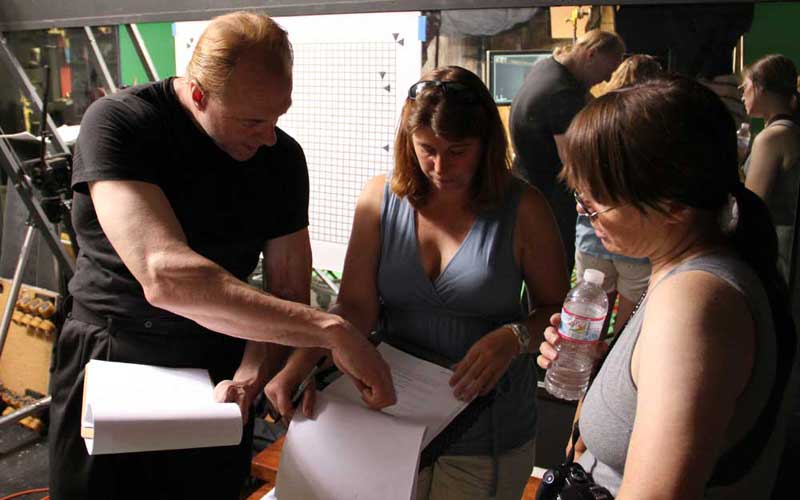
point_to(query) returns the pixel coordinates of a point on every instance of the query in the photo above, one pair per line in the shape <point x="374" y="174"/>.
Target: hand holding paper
<point x="130" y="407"/>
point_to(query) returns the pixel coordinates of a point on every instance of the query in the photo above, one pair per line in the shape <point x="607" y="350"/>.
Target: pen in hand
<point x="309" y="379"/>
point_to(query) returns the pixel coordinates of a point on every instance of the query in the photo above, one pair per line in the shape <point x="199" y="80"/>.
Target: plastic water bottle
<point x="743" y="136"/>
<point x="582" y="318"/>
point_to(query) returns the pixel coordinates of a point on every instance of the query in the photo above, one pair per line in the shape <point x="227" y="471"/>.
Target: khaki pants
<point x="454" y="477"/>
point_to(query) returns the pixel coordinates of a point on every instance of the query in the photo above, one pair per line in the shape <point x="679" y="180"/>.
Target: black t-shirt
<point x="227" y="209"/>
<point x="544" y="107"/>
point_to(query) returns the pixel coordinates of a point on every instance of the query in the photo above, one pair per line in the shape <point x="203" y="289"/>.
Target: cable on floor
<point x="25" y="492"/>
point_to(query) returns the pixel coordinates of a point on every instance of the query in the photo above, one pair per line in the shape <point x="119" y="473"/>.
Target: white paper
<point x="424" y="395"/>
<point x="348" y="452"/>
<point x="131" y="407"/>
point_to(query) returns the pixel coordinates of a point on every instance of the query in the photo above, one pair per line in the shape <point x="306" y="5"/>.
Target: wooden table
<point x="265" y="467"/>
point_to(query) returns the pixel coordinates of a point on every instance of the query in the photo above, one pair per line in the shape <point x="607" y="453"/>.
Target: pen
<point x="298" y="393"/>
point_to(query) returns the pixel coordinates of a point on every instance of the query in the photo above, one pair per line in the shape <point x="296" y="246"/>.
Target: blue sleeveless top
<point x="477" y="292"/>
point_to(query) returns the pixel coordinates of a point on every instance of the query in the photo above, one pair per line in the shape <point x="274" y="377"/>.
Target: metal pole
<point x="100" y="60"/>
<point x="15" y="285"/>
<point x="25" y="411"/>
<point x="27" y="87"/>
<point x="37" y="215"/>
<point x="141" y="49"/>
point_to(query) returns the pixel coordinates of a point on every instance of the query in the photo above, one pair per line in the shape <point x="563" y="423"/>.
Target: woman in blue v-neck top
<point x="439" y="251"/>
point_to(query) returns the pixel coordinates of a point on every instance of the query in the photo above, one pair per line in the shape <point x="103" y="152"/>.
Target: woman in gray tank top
<point x="438" y="250"/>
<point x="772" y="170"/>
<point x="705" y="358"/>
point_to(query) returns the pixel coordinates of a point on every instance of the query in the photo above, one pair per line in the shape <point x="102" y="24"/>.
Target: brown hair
<point x="679" y="130"/>
<point x="230" y="36"/>
<point x="453" y="114"/>
<point x="774" y="73"/>
<point x="634" y="69"/>
<point x="602" y="41"/>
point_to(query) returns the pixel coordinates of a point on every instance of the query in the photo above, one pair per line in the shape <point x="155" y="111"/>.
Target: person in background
<point x="553" y="92"/>
<point x="624" y="276"/>
<point x="179" y="185"/>
<point x="691" y="401"/>
<point x="440" y="249"/>
<point x="772" y="171"/>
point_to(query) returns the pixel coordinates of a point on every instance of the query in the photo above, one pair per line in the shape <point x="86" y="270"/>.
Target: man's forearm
<point x="194" y="287"/>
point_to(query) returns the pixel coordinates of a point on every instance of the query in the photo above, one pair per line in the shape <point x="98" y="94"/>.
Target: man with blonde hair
<point x="179" y="185"/>
<point x="553" y="92"/>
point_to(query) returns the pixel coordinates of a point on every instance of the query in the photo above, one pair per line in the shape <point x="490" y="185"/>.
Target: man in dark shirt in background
<point x="553" y="92"/>
<point x="179" y="185"/>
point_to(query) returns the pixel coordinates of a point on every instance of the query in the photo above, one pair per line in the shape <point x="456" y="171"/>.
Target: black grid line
<point x="344" y="115"/>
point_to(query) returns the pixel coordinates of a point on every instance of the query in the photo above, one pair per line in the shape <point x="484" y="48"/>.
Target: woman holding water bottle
<point x="690" y="402"/>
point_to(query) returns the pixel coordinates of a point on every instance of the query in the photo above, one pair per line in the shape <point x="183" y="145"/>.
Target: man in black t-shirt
<point x="179" y="185"/>
<point x="554" y="91"/>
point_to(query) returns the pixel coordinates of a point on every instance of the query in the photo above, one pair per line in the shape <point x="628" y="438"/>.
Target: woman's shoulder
<point x="778" y="135"/>
<point x="711" y="295"/>
<point x="372" y="194"/>
<point x="530" y="198"/>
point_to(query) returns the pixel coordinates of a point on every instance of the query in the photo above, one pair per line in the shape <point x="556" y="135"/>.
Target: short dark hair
<point x="666" y="139"/>
<point x="774" y="73"/>
<point x="454" y="115"/>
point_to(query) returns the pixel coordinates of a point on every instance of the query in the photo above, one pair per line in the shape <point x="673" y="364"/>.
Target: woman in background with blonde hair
<point x="553" y="92"/>
<point x="624" y="276"/>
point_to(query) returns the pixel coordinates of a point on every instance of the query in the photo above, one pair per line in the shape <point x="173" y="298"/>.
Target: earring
<point x="197" y="96"/>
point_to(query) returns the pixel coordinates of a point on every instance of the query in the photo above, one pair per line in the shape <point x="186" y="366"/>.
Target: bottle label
<point x="580" y="328"/>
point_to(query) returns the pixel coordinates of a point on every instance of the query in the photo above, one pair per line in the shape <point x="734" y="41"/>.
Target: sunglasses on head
<point x="448" y="88"/>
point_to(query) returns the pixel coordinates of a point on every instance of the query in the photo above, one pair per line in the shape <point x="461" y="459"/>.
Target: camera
<point x="570" y="482"/>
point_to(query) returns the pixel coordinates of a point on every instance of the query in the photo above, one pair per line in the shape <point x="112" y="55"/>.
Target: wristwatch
<point x="522" y="334"/>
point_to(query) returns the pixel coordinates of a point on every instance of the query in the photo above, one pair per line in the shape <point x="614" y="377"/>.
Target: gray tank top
<point x="609" y="409"/>
<point x="478" y="291"/>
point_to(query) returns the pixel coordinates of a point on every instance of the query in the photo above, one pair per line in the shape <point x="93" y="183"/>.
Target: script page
<point x="131" y="407"/>
<point x="348" y="452"/>
<point x="424" y="395"/>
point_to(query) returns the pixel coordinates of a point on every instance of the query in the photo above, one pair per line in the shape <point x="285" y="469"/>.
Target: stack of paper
<point x="130" y="407"/>
<point x="349" y="451"/>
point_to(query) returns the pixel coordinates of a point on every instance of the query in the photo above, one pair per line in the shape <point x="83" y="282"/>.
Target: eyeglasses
<point x="453" y="88"/>
<point x="585" y="212"/>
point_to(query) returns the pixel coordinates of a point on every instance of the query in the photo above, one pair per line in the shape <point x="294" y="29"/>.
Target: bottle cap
<point x="594" y="276"/>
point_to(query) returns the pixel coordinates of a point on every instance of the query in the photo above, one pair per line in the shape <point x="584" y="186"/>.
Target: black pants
<point x="563" y="204"/>
<point x="213" y="473"/>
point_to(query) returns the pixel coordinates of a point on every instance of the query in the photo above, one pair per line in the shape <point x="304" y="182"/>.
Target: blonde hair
<point x="227" y="38"/>
<point x="601" y="41"/>
<point x="635" y="69"/>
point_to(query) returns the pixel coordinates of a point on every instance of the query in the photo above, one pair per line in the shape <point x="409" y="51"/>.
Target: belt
<point x="178" y="325"/>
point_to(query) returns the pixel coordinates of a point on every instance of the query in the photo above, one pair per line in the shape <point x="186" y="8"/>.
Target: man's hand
<point x="281" y="388"/>
<point x="239" y="392"/>
<point x="355" y="356"/>
<point x="486" y="361"/>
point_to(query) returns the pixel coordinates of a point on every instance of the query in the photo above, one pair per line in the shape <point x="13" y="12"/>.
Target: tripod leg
<point x="15" y="285"/>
